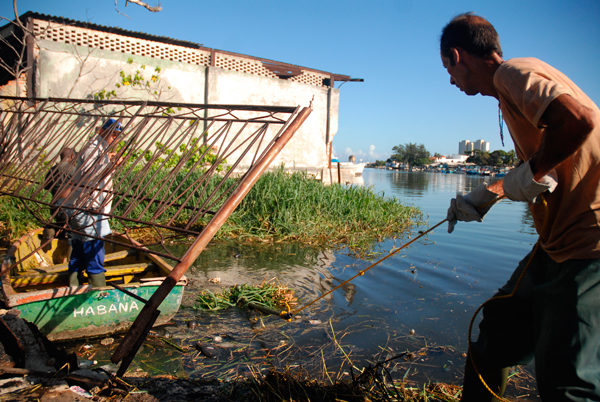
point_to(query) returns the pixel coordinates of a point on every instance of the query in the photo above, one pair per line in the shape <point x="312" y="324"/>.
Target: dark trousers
<point x="554" y="319"/>
<point x="88" y="255"/>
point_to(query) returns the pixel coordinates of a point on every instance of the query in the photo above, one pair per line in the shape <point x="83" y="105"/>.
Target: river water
<point x="418" y="301"/>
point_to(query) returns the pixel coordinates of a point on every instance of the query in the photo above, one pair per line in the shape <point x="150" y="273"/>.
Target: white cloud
<point x="372" y="153"/>
<point x="369" y="156"/>
<point x="373" y="156"/>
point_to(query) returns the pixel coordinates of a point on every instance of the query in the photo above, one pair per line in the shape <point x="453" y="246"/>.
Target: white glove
<point x="519" y="185"/>
<point x="469" y="207"/>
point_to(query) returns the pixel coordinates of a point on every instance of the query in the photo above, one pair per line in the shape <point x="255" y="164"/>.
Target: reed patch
<point x="280" y="207"/>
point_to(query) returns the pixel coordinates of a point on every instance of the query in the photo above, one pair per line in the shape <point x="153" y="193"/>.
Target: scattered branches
<point x="15" y="46"/>
<point x="16" y="43"/>
<point x="146" y="6"/>
<point x="139" y="3"/>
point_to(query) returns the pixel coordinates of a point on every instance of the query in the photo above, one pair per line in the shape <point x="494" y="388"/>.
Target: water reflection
<point x="413" y="184"/>
<point x="307" y="269"/>
<point x="528" y="226"/>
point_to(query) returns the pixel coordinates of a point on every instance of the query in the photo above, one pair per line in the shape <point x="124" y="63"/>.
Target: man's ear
<point x="454" y="56"/>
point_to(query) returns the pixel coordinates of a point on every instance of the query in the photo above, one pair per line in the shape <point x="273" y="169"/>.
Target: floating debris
<point x="80" y="391"/>
<point x="87" y="363"/>
<point x="207" y="350"/>
<point x="107" y="341"/>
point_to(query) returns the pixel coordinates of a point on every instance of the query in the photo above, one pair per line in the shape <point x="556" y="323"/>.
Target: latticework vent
<point x="141" y="47"/>
<point x="117" y="43"/>
<point x="241" y="64"/>
<point x="310" y="77"/>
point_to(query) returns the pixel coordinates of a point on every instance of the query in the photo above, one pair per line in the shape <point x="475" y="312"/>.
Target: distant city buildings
<point x="451" y="160"/>
<point x="466" y="146"/>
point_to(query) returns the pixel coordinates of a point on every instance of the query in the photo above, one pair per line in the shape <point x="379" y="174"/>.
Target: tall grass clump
<point x="281" y="206"/>
<point x="284" y="206"/>
<point x="15" y="220"/>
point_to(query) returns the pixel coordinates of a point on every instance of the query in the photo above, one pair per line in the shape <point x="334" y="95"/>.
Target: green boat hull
<point x="39" y="288"/>
<point x="98" y="312"/>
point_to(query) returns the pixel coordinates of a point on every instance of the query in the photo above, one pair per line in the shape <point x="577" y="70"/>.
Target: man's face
<point x="109" y="136"/>
<point x="459" y="76"/>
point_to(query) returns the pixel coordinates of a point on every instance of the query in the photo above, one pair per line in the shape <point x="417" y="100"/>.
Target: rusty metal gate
<point x="177" y="170"/>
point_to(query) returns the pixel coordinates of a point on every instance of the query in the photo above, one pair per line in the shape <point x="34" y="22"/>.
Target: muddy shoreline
<point x="259" y="378"/>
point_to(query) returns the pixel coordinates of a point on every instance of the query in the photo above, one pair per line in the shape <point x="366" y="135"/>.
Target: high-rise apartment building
<point x="468" y="146"/>
<point x="462" y="147"/>
<point x="482" y="145"/>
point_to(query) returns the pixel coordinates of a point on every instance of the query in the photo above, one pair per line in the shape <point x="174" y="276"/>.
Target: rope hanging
<point x="508" y="296"/>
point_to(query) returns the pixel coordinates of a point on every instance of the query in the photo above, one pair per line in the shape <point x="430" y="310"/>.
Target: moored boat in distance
<point x="356" y="168"/>
<point x="38" y="287"/>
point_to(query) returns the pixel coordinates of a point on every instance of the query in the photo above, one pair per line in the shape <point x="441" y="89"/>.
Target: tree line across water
<point x="415" y="154"/>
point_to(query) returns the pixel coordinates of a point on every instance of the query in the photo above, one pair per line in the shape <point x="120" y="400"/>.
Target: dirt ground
<point x="34" y="369"/>
<point x="150" y="390"/>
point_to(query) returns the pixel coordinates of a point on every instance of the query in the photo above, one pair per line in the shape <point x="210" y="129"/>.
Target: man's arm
<point x="568" y="125"/>
<point x="496" y="187"/>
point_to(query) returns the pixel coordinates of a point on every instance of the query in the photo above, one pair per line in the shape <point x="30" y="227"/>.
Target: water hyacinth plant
<point x="281" y="206"/>
<point x="266" y="294"/>
<point x="295" y="206"/>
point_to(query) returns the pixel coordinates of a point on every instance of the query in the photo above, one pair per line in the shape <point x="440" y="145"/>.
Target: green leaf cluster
<point x="194" y="154"/>
<point x="135" y="81"/>
<point x="413" y="154"/>
<point x="495" y="158"/>
<point x="268" y="295"/>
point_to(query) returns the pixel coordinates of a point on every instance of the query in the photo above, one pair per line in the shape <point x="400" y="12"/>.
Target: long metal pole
<point x="140" y="327"/>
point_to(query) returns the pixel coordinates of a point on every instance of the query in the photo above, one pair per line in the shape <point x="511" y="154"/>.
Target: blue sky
<point x="392" y="44"/>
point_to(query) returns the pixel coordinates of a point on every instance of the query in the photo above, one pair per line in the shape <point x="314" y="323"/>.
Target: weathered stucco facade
<point x="76" y="60"/>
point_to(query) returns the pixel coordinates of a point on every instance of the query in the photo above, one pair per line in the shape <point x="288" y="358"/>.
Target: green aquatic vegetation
<point x="266" y="294"/>
<point x="15" y="219"/>
<point x="280" y="207"/>
<point x="283" y="206"/>
<point x="159" y="184"/>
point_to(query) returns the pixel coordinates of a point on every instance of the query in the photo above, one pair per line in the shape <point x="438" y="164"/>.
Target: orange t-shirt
<point x="526" y="86"/>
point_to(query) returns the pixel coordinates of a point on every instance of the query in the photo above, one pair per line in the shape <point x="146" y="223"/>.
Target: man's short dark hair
<point x="472" y="33"/>
<point x="68" y="153"/>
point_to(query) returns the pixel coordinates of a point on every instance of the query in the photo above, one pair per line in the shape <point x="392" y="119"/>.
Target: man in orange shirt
<point x="554" y="315"/>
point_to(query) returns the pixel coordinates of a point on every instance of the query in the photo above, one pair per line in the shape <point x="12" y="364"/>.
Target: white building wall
<point x="65" y="69"/>
<point x="307" y="148"/>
